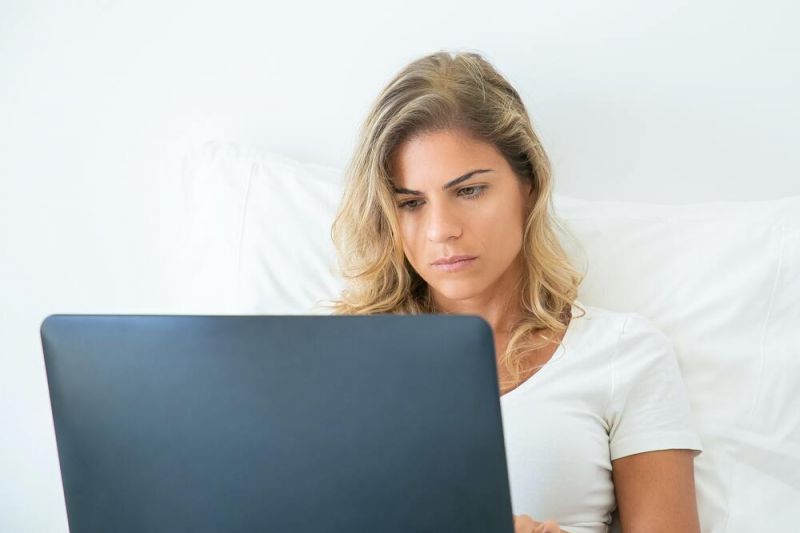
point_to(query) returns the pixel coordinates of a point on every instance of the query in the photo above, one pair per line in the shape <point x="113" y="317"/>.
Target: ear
<point x="530" y="198"/>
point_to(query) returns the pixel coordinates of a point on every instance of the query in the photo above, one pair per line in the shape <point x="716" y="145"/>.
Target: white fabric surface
<point x="720" y="279"/>
<point x="613" y="388"/>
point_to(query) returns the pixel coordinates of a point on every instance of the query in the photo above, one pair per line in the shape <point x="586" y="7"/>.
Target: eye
<point x="473" y="191"/>
<point x="478" y="190"/>
<point x="407" y="205"/>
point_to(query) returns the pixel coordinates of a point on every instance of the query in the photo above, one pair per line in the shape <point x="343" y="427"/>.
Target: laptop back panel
<point x="386" y="423"/>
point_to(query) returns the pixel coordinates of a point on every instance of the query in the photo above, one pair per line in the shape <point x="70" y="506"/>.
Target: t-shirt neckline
<point x="556" y="355"/>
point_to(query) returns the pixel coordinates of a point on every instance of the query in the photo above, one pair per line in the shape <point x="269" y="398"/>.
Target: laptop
<point x="293" y="423"/>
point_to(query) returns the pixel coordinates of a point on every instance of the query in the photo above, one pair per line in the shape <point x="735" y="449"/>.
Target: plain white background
<point x="666" y="102"/>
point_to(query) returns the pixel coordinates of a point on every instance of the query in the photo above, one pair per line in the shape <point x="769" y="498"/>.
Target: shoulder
<point x="592" y="335"/>
<point x="594" y="321"/>
<point x="641" y="337"/>
<point x="630" y="329"/>
<point x="634" y="346"/>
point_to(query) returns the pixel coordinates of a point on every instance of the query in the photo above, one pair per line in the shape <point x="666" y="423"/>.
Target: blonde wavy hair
<point x="440" y="91"/>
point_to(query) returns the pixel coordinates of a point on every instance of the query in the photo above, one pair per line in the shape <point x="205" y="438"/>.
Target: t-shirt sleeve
<point x="649" y="405"/>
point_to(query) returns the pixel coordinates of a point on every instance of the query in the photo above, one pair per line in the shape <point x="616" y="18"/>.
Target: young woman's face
<point x="442" y="213"/>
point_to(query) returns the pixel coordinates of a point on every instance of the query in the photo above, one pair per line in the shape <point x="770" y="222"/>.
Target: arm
<point x="655" y="492"/>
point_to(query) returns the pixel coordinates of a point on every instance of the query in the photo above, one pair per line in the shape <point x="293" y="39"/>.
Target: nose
<point x="443" y="223"/>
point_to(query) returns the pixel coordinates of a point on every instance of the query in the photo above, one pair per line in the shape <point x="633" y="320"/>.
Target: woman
<point x="447" y="209"/>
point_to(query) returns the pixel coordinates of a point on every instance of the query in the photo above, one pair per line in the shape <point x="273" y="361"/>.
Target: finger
<point x="524" y="524"/>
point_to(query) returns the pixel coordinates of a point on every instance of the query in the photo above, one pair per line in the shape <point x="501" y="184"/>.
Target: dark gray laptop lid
<point x="387" y="423"/>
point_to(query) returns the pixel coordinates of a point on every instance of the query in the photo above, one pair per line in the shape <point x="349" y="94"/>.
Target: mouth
<point x="455" y="266"/>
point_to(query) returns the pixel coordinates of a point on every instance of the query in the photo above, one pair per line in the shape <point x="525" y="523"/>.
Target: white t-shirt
<point x="612" y="388"/>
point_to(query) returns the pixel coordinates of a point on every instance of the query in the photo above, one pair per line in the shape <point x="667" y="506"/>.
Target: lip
<point x="454" y="265"/>
<point x="452" y="259"/>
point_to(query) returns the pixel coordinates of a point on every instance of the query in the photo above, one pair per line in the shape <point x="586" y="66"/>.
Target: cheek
<point x="493" y="219"/>
<point x="499" y="228"/>
<point x="408" y="234"/>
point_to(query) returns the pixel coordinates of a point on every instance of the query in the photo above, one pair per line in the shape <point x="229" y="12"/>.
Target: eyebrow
<point x="447" y="185"/>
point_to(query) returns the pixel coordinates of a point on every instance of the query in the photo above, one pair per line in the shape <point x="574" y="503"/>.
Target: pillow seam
<point x="253" y="168"/>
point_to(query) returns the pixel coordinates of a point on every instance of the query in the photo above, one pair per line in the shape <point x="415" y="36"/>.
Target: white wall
<point x="665" y="102"/>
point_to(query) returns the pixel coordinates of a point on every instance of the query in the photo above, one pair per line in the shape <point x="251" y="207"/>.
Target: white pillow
<point x="256" y="232"/>
<point x="721" y="279"/>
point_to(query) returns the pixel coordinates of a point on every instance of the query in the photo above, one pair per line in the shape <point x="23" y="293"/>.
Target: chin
<point x="455" y="289"/>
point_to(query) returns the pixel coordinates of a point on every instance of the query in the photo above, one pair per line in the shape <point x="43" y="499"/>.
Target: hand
<point x="525" y="524"/>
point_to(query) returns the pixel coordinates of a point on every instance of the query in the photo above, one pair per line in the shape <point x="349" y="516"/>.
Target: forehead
<point x="440" y="156"/>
